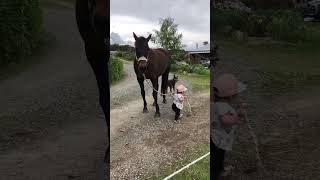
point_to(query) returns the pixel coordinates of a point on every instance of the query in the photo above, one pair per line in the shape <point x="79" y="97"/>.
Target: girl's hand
<point x="242" y="115"/>
<point x="241" y="112"/>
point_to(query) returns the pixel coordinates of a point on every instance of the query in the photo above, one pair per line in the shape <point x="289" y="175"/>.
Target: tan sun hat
<point x="228" y="85"/>
<point x="181" y="88"/>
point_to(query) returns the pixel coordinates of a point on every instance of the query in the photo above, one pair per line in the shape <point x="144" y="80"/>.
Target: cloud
<point x="142" y="16"/>
<point x="115" y="38"/>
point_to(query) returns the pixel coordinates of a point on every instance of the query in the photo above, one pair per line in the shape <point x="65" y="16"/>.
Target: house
<point x="199" y="54"/>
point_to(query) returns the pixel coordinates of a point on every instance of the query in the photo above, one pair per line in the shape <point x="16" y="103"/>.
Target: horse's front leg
<point x="143" y="94"/>
<point x="155" y="96"/>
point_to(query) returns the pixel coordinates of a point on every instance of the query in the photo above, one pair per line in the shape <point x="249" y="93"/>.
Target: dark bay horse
<point x="150" y="64"/>
<point x="93" y="21"/>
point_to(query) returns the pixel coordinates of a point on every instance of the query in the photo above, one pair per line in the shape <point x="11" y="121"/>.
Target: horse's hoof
<point x="145" y="110"/>
<point x="157" y="115"/>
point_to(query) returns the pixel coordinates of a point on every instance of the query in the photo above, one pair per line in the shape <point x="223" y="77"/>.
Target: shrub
<point x="116" y="69"/>
<point x="196" y="68"/>
<point x="174" y="67"/>
<point x="222" y="18"/>
<point x="20" y="29"/>
<point x="268" y="4"/>
<point x="287" y="26"/>
<point x="129" y="56"/>
<point x="199" y="69"/>
<point x="257" y="25"/>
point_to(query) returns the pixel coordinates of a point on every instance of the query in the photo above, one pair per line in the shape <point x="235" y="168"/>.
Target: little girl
<point x="178" y="99"/>
<point x="224" y="121"/>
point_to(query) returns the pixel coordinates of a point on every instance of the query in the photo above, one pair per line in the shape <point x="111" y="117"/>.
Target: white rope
<point x="170" y="94"/>
<point x="187" y="166"/>
<point x="255" y="141"/>
<point x="151" y="86"/>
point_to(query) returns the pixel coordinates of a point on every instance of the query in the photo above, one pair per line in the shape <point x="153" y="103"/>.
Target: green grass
<point x="13" y="69"/>
<point x="62" y="3"/>
<point x="126" y="61"/>
<point x="199" y="170"/>
<point x="198" y="82"/>
<point x="282" y="66"/>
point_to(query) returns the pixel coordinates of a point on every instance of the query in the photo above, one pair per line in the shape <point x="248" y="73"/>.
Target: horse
<point x="92" y="17"/>
<point x="150" y="64"/>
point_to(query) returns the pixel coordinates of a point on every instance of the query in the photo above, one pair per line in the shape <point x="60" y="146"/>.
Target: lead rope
<point x="255" y="141"/>
<point x="161" y="94"/>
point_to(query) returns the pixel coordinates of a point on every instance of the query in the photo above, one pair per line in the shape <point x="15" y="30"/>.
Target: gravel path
<point x="49" y="110"/>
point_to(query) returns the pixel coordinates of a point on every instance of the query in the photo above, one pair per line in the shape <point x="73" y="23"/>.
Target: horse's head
<point x="142" y="51"/>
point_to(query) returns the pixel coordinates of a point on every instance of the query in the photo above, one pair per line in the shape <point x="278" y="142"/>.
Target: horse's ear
<point x="149" y="37"/>
<point x="135" y="36"/>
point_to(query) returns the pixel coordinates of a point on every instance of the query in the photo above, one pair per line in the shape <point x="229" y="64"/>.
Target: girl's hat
<point x="227" y="85"/>
<point x="181" y="88"/>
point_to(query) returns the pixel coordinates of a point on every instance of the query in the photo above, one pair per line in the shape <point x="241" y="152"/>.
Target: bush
<point x="287" y="26"/>
<point x="129" y="56"/>
<point x="284" y="25"/>
<point x="268" y="4"/>
<point x="199" y="69"/>
<point x="222" y="18"/>
<point x="20" y="29"/>
<point x="257" y="25"/>
<point x="116" y="69"/>
<point x="196" y="68"/>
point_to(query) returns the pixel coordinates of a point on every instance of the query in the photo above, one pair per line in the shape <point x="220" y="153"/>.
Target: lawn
<point x="198" y="82"/>
<point x="282" y="66"/>
<point x="62" y="3"/>
<point x="199" y="170"/>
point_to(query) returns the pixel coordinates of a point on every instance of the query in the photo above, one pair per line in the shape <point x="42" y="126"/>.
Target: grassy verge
<point x="198" y="82"/>
<point x="282" y="66"/>
<point x="116" y="70"/>
<point x="199" y="171"/>
<point x="62" y="3"/>
<point x="126" y="61"/>
<point x="15" y="68"/>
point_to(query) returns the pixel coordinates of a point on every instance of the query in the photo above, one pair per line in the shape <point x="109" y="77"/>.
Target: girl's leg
<point x="176" y="110"/>
<point x="217" y="160"/>
<point x="223" y="153"/>
<point x="178" y="114"/>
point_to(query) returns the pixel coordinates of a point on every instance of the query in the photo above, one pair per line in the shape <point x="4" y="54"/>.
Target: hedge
<point x="116" y="69"/>
<point x="20" y="29"/>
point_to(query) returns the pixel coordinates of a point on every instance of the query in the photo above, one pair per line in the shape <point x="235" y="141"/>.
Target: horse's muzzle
<point x="142" y="64"/>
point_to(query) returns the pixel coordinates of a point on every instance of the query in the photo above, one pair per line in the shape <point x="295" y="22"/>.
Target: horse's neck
<point x="101" y="8"/>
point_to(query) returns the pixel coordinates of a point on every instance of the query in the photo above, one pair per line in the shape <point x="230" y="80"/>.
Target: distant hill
<point x="124" y="48"/>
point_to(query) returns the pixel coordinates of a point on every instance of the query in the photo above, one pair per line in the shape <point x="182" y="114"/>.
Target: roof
<point x="199" y="52"/>
<point x="201" y="49"/>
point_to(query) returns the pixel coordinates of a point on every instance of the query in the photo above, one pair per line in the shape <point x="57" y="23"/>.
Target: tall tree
<point x="169" y="38"/>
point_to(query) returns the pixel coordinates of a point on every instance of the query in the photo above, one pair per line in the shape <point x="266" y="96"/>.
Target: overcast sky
<point x="142" y="16"/>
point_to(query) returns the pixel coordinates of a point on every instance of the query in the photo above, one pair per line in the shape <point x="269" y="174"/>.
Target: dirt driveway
<point x="50" y="110"/>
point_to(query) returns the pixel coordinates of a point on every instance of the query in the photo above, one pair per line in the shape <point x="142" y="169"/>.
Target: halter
<point x="143" y="58"/>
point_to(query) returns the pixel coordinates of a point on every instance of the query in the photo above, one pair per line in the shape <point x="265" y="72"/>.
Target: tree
<point x="169" y="38"/>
